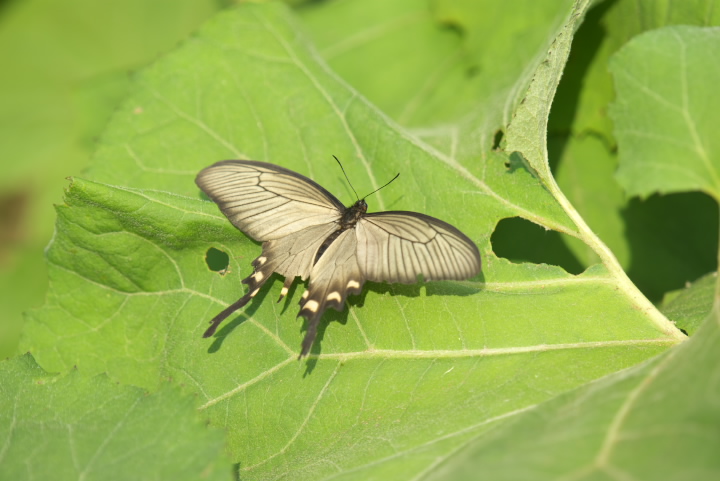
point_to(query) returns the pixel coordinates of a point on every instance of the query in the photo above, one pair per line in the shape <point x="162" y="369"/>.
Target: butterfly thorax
<point x="353" y="214"/>
<point x="347" y="221"/>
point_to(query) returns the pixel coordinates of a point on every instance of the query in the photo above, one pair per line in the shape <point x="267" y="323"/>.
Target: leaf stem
<point x="637" y="298"/>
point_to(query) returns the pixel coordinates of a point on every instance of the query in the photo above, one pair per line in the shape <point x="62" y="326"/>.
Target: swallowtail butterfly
<point x="308" y="233"/>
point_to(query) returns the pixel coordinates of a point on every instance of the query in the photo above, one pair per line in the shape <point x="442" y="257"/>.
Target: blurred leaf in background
<point x="64" y="67"/>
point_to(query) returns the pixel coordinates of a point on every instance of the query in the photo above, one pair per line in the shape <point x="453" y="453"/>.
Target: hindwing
<point x="335" y="276"/>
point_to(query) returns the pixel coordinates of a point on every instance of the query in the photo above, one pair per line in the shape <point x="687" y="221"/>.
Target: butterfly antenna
<point x="391" y="181"/>
<point x="346" y="177"/>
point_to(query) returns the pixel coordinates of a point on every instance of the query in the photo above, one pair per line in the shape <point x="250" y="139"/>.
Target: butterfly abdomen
<point x="326" y="243"/>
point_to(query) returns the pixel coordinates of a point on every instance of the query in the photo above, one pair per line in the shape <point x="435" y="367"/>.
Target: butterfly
<point x="308" y="233"/>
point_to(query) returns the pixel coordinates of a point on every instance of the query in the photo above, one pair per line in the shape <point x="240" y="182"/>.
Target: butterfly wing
<point x="396" y="246"/>
<point x="267" y="201"/>
<point x="290" y="213"/>
<point x="335" y="276"/>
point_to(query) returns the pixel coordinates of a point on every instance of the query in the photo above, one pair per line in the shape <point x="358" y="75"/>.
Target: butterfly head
<point x="353" y="213"/>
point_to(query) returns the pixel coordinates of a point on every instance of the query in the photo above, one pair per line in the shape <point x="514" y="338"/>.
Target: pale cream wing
<point x="267" y="201"/>
<point x="397" y="246"/>
<point x="335" y="276"/>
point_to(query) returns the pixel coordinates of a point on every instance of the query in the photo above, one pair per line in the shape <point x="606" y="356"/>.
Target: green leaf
<point x="688" y="307"/>
<point x="77" y="427"/>
<point x="658" y="420"/>
<point x="666" y="110"/>
<point x="663" y="242"/>
<point x="585" y="174"/>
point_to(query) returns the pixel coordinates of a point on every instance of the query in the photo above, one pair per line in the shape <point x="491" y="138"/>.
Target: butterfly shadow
<point x="331" y="315"/>
<point x="238" y="318"/>
<point x="432" y="288"/>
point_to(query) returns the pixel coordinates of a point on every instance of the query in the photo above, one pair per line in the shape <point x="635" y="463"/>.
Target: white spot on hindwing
<point x="353" y="284"/>
<point x="258" y="276"/>
<point x="311" y="306"/>
<point x="305" y="295"/>
<point x="261" y="260"/>
<point x="252" y="294"/>
<point x="334" y="296"/>
<point x="283" y="291"/>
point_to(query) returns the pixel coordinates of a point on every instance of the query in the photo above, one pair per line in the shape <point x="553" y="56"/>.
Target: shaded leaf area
<point x="674" y="241"/>
<point x="658" y="420"/>
<point x="667" y="109"/>
<point x="94" y="429"/>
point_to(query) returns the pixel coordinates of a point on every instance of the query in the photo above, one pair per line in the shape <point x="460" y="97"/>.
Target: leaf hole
<point x="497" y="140"/>
<point x="217" y="261"/>
<point x="519" y="240"/>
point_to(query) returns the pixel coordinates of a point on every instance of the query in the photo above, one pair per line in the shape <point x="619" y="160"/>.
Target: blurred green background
<point x="65" y="66"/>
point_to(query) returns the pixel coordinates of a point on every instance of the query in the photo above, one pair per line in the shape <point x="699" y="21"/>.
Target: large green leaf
<point x="79" y="427"/>
<point x="667" y="110"/>
<point x="408" y="374"/>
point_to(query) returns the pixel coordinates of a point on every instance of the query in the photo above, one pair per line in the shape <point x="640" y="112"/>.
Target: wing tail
<point x="313" y="321"/>
<point x="263" y="271"/>
<point x="217" y="320"/>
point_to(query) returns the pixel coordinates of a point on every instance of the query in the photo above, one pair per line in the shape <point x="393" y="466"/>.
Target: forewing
<point x="397" y="246"/>
<point x="335" y="276"/>
<point x="266" y="201"/>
